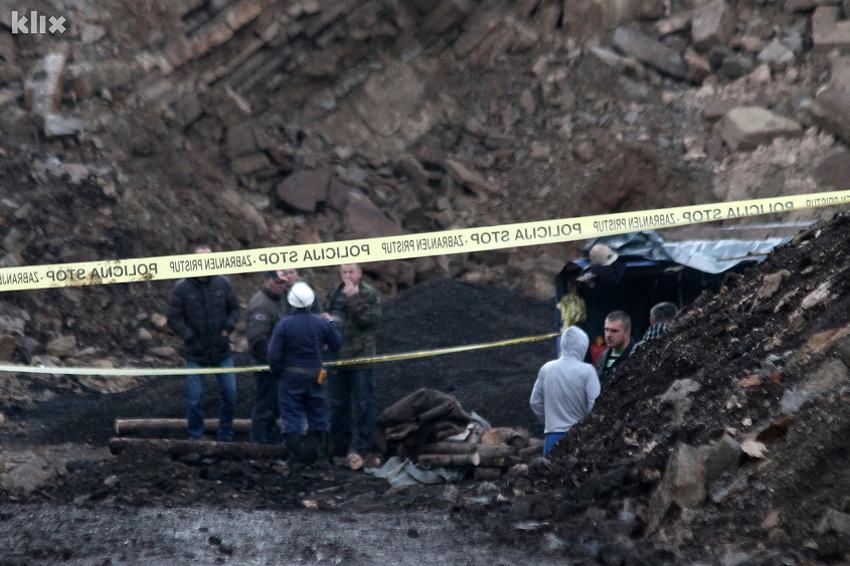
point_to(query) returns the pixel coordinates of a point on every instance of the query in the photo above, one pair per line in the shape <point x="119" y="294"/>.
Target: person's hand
<point x="349" y="288"/>
<point x="326" y="316"/>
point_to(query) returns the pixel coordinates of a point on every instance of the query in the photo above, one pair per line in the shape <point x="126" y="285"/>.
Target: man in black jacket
<point x="265" y="309"/>
<point x="203" y="311"/>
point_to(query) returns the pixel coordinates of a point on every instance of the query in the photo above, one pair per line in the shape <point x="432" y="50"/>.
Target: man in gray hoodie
<point x="566" y="388"/>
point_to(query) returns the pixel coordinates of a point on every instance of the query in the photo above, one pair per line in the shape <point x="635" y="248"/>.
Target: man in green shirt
<point x="618" y="338"/>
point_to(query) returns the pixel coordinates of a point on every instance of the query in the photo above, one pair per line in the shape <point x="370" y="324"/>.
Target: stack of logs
<point x="490" y="454"/>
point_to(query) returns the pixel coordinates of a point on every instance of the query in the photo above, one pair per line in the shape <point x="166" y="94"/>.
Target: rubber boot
<point x="322" y="454"/>
<point x="293" y="446"/>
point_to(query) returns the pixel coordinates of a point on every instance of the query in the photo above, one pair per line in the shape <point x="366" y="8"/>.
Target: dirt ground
<point x="768" y="358"/>
<point x="767" y="354"/>
<point x="338" y="516"/>
<point x="186" y="121"/>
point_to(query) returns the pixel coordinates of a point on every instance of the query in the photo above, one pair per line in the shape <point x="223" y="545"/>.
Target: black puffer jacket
<point x="198" y="311"/>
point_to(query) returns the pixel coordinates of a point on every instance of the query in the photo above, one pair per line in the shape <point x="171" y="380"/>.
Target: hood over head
<point x="574" y="343"/>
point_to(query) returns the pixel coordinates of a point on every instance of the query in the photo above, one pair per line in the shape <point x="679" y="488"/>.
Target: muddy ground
<point x="188" y="121"/>
<point x="257" y="511"/>
<point x="761" y="366"/>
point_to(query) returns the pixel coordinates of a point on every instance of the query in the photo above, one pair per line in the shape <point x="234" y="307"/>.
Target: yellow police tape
<point x="406" y="246"/>
<point x="194" y="371"/>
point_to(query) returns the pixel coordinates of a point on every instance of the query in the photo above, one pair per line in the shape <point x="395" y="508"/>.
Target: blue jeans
<point x="550" y="440"/>
<point x="301" y="396"/>
<point x="343" y="384"/>
<point x="265" y="411"/>
<point x="195" y="395"/>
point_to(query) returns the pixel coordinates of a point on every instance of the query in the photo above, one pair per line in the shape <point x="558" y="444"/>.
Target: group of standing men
<point x="566" y="388"/>
<point x="287" y="330"/>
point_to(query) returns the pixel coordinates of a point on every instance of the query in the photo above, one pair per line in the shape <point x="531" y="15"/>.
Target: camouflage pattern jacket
<point x="358" y="322"/>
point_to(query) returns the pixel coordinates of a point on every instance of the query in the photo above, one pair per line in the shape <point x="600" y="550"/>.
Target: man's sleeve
<point x="233" y="308"/>
<point x="258" y="330"/>
<point x="175" y="316"/>
<point x="364" y="307"/>
<point x="600" y="364"/>
<point x="536" y="400"/>
<point x="334" y="335"/>
<point x="592" y="388"/>
<point x="275" y="350"/>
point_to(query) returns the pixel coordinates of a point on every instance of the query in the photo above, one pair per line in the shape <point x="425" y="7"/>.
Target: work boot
<point x="322" y="453"/>
<point x="293" y="446"/>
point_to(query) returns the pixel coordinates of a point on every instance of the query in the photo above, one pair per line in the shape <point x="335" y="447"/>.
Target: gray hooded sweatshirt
<point x="566" y="388"/>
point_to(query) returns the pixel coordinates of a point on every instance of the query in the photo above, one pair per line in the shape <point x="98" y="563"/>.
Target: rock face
<point x="151" y="127"/>
<point x="748" y="127"/>
<point x="261" y="123"/>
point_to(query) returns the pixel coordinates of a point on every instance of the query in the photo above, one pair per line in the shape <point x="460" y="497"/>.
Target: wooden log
<point x="373" y="461"/>
<point x="492" y="437"/>
<point x="449" y="460"/>
<point x="130" y="426"/>
<point x="530" y="452"/>
<point x="355" y="462"/>
<point x="500" y="450"/>
<point x="241" y="450"/>
<point x="518" y="437"/>
<point x="449" y="448"/>
<point x="500" y="456"/>
<point x="487" y="474"/>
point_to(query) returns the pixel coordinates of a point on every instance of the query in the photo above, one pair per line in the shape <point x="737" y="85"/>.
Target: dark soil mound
<point x="495" y="382"/>
<point x="763" y="362"/>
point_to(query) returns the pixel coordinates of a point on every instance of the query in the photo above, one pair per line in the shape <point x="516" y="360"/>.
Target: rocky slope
<point x="145" y="128"/>
<point x="148" y="127"/>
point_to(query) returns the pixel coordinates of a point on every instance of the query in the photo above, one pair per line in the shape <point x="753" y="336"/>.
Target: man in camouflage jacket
<point x="357" y="307"/>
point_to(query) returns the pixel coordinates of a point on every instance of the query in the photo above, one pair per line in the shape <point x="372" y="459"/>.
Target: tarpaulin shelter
<point x="657" y="270"/>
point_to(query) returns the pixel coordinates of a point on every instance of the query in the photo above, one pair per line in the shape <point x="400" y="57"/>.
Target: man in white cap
<point x="604" y="271"/>
<point x="296" y="350"/>
<point x="265" y="310"/>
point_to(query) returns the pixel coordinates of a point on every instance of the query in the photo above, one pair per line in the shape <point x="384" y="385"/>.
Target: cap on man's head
<point x="277" y="276"/>
<point x="301" y="296"/>
<point x="600" y="254"/>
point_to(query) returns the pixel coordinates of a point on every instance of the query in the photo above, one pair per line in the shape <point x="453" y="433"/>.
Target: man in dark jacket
<point x="661" y="316"/>
<point x="296" y="351"/>
<point x="618" y="338"/>
<point x="203" y="311"/>
<point x="357" y="307"/>
<point x="265" y="310"/>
